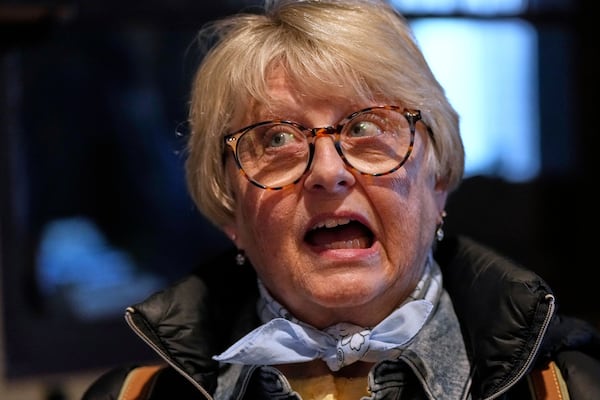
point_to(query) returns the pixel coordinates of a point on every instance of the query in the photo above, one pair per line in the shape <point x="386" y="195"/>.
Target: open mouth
<point x="340" y="233"/>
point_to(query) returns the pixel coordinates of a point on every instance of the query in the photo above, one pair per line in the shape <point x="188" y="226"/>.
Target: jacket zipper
<point x="129" y="311"/>
<point x="532" y="354"/>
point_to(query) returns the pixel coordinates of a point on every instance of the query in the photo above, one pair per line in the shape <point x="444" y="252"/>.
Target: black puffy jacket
<point x="502" y="308"/>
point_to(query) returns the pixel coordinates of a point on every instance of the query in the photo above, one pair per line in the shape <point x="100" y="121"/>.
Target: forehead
<point x="285" y="96"/>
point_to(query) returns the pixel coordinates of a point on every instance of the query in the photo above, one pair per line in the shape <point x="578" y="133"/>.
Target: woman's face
<point x="359" y="271"/>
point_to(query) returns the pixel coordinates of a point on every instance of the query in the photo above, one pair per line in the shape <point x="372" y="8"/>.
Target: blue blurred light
<point x="76" y="263"/>
<point x="481" y="7"/>
<point x="488" y="69"/>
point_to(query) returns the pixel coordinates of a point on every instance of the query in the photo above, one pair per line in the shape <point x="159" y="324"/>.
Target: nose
<point x="328" y="171"/>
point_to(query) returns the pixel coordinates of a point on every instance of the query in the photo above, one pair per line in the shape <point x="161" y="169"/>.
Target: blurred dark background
<point x="94" y="213"/>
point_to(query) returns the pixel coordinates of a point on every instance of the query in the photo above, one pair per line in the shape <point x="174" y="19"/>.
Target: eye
<point x="278" y="139"/>
<point x="363" y="129"/>
<point x="278" y="136"/>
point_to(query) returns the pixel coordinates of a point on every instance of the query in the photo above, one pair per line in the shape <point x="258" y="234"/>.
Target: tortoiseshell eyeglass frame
<point x="412" y="116"/>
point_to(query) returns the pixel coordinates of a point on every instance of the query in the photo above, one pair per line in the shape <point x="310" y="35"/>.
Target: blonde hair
<point x="360" y="48"/>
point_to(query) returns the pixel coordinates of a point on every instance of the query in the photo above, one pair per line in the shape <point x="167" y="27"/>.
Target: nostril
<point x="329" y="178"/>
<point x="328" y="169"/>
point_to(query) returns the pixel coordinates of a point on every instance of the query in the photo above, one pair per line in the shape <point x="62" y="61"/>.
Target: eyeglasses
<point x="374" y="141"/>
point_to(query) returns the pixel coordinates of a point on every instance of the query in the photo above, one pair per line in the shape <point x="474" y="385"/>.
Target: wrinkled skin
<point x="359" y="279"/>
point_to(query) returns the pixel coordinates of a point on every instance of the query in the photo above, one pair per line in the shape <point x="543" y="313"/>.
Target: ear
<point x="231" y="232"/>
<point x="440" y="193"/>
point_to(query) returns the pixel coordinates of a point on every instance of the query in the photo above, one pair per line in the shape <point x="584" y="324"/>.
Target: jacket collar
<point x="503" y="309"/>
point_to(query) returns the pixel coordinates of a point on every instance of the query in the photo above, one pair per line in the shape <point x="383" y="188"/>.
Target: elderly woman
<point x="324" y="147"/>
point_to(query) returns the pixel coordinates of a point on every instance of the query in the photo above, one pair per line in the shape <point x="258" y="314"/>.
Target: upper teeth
<point x="332" y="222"/>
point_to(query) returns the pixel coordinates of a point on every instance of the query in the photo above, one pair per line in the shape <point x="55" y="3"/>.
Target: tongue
<point x="348" y="236"/>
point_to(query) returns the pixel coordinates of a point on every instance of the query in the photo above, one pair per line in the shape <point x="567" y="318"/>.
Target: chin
<point x="346" y="291"/>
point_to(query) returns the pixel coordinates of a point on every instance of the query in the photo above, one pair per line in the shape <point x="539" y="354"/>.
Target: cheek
<point x="249" y="205"/>
<point x="410" y="200"/>
<point x="263" y="217"/>
<point x="247" y="211"/>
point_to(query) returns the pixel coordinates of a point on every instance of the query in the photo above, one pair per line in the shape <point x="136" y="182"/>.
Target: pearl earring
<point x="240" y="258"/>
<point x="439" y="231"/>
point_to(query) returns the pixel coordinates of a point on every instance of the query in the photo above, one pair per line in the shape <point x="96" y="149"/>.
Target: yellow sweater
<point x="328" y="387"/>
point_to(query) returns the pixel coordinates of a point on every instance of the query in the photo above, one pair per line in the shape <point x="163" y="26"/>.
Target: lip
<point x="346" y="258"/>
<point x="329" y="219"/>
<point x="322" y="219"/>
